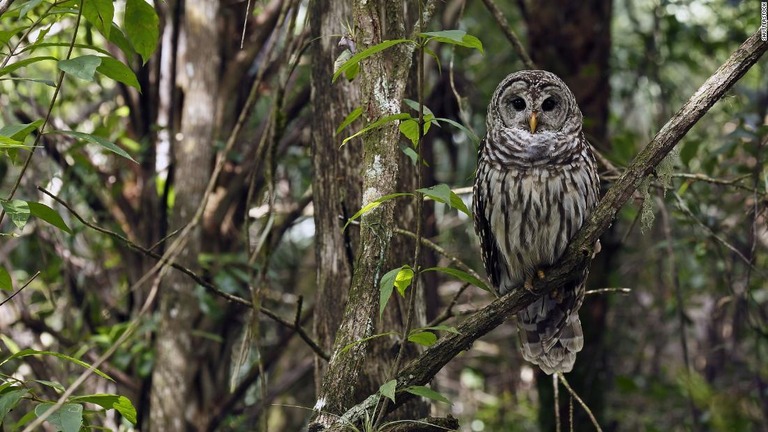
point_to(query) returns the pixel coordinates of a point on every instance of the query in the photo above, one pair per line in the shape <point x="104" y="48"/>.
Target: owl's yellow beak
<point x="532" y="122"/>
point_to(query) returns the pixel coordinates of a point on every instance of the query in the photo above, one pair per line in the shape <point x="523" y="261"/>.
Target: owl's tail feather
<point x="549" y="337"/>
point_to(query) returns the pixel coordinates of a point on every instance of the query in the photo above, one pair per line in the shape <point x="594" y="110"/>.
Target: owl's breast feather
<point x="525" y="149"/>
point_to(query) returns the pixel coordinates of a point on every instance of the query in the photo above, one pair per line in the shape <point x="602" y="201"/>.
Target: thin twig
<point x="195" y="277"/>
<point x="607" y="164"/>
<point x="231" y="297"/>
<point x="732" y="182"/>
<point x="509" y="33"/>
<point x="5" y="5"/>
<point x="462" y="112"/>
<point x="581" y="402"/>
<point x="38" y="137"/>
<point x="435" y="247"/>
<point x="609" y="290"/>
<point x="684" y="208"/>
<point x="20" y="289"/>
<point x="447" y="313"/>
<point x="132" y="326"/>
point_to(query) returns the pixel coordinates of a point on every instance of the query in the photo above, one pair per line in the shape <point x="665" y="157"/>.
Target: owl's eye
<point x="549" y="104"/>
<point x="518" y="104"/>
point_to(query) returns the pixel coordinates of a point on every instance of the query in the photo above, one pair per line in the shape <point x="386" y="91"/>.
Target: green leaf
<point x="52" y="384"/>
<point x="21" y="63"/>
<point x="403" y="279"/>
<point x="386" y="286"/>
<point x="19" y="132"/>
<point x="352" y="72"/>
<point x="26" y="418"/>
<point x="9" y="143"/>
<point x="410" y="152"/>
<point x="6" y="284"/>
<point x="99" y="13"/>
<point x="65" y="45"/>
<point x="6" y="35"/>
<point x="377" y="123"/>
<point x="118" y="71"/>
<point x="399" y="278"/>
<point x="349" y="119"/>
<point x="432" y="54"/>
<point x="424" y="338"/>
<point x="121" y="404"/>
<point x="9" y="344"/>
<point x="442" y="193"/>
<point x="9" y="400"/>
<point x="415" y="106"/>
<point x="455" y="37"/>
<point x="410" y="128"/>
<point x="31" y="352"/>
<point x="93" y="139"/>
<point x="461" y="275"/>
<point x="117" y="37"/>
<point x="475" y="139"/>
<point x="28" y="6"/>
<point x="427" y="393"/>
<point x="48" y="214"/>
<point x="82" y="67"/>
<point x="142" y="27"/>
<point x="362" y="55"/>
<point x="68" y="418"/>
<point x="47" y="82"/>
<point x="388" y="389"/>
<point x="374" y="204"/>
<point x="17" y="210"/>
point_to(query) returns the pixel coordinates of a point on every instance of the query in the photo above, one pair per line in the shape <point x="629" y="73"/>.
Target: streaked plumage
<point x="536" y="184"/>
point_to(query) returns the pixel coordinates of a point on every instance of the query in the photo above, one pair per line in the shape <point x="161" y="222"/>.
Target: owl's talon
<point x="528" y="284"/>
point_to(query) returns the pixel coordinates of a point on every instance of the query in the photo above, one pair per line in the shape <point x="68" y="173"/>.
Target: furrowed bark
<point x="382" y="78"/>
<point x="336" y="183"/>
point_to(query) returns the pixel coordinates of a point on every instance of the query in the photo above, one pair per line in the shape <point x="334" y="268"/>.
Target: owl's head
<point x="535" y="101"/>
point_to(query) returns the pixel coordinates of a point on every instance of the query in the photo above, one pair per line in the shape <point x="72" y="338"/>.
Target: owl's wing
<point x="493" y="260"/>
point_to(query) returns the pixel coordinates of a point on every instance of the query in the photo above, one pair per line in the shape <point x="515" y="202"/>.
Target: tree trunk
<point x="176" y="404"/>
<point x="573" y="40"/>
<point x="356" y="372"/>
<point x="336" y="185"/>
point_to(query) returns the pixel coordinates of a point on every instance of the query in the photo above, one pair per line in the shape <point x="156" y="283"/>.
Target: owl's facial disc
<point x="533" y="108"/>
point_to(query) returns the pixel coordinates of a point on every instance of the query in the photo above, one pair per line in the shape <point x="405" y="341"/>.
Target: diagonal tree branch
<point x="517" y="46"/>
<point x="5" y="5"/>
<point x="421" y="370"/>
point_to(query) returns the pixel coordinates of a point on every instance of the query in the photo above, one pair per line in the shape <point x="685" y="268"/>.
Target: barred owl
<point x="536" y="184"/>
